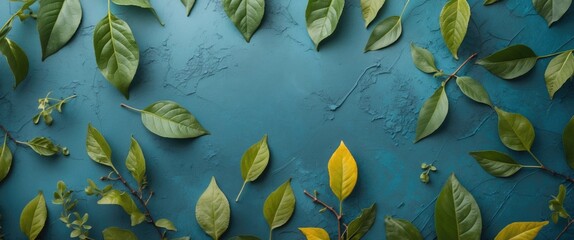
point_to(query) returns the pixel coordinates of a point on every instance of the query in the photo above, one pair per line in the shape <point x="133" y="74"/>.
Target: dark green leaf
<point x="188" y="5"/>
<point x="279" y="206"/>
<point x="385" y="33"/>
<point x="58" y="21"/>
<point x="322" y="17"/>
<point x="454" y="19"/>
<point x="399" y="229"/>
<point x="16" y="58"/>
<point x="33" y="217"/>
<point x="362" y="224"/>
<point x="511" y="62"/>
<point x="515" y="131"/>
<point x="370" y="8"/>
<point x="114" y="233"/>
<point x="432" y="114"/>
<point x="568" y="141"/>
<point x="4" y="32"/>
<point x="5" y="159"/>
<point x="168" y="119"/>
<point x="124" y="200"/>
<point x="135" y="162"/>
<point x="560" y="69"/>
<point x="98" y="148"/>
<point x="43" y="146"/>
<point x="212" y="211"/>
<point x="423" y="59"/>
<point x="166" y="224"/>
<point x="496" y="163"/>
<point x="551" y="10"/>
<point x="245" y="14"/>
<point x="473" y="90"/>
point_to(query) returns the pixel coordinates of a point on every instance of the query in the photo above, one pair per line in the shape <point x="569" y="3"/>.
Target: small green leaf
<point x="322" y="17"/>
<point x="145" y="4"/>
<point x="165" y="223"/>
<point x="399" y="229"/>
<point x="385" y="33"/>
<point x="5" y="159"/>
<point x="515" y="131"/>
<point x="370" y="8"/>
<point x="98" y="148"/>
<point x="279" y="205"/>
<point x="170" y="120"/>
<point x="551" y="10"/>
<point x="315" y="233"/>
<point x="496" y="163"/>
<point x="362" y="224"/>
<point x="117" y="52"/>
<point x="114" y="233"/>
<point x="432" y="114"/>
<point x="454" y="19"/>
<point x="33" y="217"/>
<point x="58" y="21"/>
<point x="123" y="200"/>
<point x="245" y="14"/>
<point x="16" y="58"/>
<point x="473" y="90"/>
<point x="244" y="238"/>
<point x="568" y="141"/>
<point x="520" y="230"/>
<point x="488" y="2"/>
<point x="135" y="162"/>
<point x="423" y="59"/>
<point x="188" y="5"/>
<point x="254" y="162"/>
<point x="511" y="62"/>
<point x="457" y="215"/>
<point x="556" y="205"/>
<point x="43" y="146"/>
<point x="212" y="211"/>
<point x="560" y="69"/>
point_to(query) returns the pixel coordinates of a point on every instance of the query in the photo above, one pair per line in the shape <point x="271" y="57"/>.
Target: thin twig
<point x="565" y="229"/>
<point x="567" y="178"/>
<point x="337" y="215"/>
<point x="453" y="75"/>
<point x="9" y="135"/>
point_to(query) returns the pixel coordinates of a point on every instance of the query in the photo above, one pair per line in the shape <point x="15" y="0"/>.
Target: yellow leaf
<point x="315" y="233"/>
<point x="520" y="231"/>
<point x="342" y="172"/>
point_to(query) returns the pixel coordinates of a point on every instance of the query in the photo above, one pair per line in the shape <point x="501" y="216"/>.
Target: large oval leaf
<point x="98" y="148"/>
<point x="496" y="163"/>
<point x="560" y="69"/>
<point x="254" y="162"/>
<point x="423" y="59"/>
<point x="245" y="14"/>
<point x="362" y="224"/>
<point x="370" y="8"/>
<point x="117" y="52"/>
<point x="135" y="162"/>
<point x="432" y="114"/>
<point x="33" y="217"/>
<point x="568" y="141"/>
<point x="457" y="215"/>
<point x="17" y="59"/>
<point x="315" y="233"/>
<point x="454" y="19"/>
<point x="125" y="201"/>
<point x="170" y="120"/>
<point x="473" y="90"/>
<point x="551" y="10"/>
<point x="385" y="33"/>
<point x="212" y="211"/>
<point x="343" y="172"/>
<point x="511" y="62"/>
<point x="399" y="229"/>
<point x="5" y="159"/>
<point x="322" y="17"/>
<point x="279" y="206"/>
<point x="515" y="131"/>
<point x="58" y="21"/>
<point x="520" y="231"/>
<point x="114" y="233"/>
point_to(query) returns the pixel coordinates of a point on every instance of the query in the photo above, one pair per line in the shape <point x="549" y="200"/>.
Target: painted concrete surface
<point x="306" y="101"/>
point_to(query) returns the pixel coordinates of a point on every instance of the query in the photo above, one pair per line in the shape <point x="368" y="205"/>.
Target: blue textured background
<point x="279" y="85"/>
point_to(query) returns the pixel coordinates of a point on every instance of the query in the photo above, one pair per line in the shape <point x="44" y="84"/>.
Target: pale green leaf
<point x="98" y="148"/>
<point x="568" y="142"/>
<point x="454" y="19"/>
<point x="496" y="163"/>
<point x="343" y="172"/>
<point x="399" y="229"/>
<point x="551" y="10"/>
<point x="432" y="114"/>
<point x="322" y="17"/>
<point x="135" y="162"/>
<point x="511" y="62"/>
<point x="279" y="206"/>
<point x="423" y="59"/>
<point x="58" y="21"/>
<point x="170" y="120"/>
<point x="362" y="224"/>
<point x="515" y="131"/>
<point x="370" y="8"/>
<point x="114" y="233"/>
<point x="560" y="69"/>
<point x="188" y="5"/>
<point x="245" y="14"/>
<point x="212" y="211"/>
<point x="17" y="59"/>
<point x="521" y="231"/>
<point x="125" y="201"/>
<point x="5" y="159"/>
<point x="145" y="4"/>
<point x="385" y="33"/>
<point x="473" y="90"/>
<point x="43" y="146"/>
<point x="33" y="217"/>
<point x="166" y="224"/>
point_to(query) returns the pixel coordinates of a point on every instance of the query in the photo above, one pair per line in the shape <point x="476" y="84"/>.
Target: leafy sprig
<point x="46" y="108"/>
<point x="72" y="219"/>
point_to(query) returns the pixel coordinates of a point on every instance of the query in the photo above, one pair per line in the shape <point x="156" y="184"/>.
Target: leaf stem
<point x="565" y="229"/>
<point x="7" y="133"/>
<point x="404" y="8"/>
<point x="240" y="191"/>
<point x="535" y="158"/>
<point x="453" y="75"/>
<point x="130" y="107"/>
<point x="554" y="54"/>
<point x="270" y="233"/>
<point x="337" y="215"/>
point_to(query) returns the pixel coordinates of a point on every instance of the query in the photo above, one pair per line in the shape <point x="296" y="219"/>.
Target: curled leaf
<point x="496" y="163"/>
<point x="33" y="217"/>
<point x="343" y="172"/>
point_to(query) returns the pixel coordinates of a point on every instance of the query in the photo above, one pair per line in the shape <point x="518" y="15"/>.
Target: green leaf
<point x="385" y="33"/>
<point x="560" y="69"/>
<point x="511" y="62"/>
<point x="33" y="217"/>
<point x="135" y="162"/>
<point x="556" y="205"/>
<point x="212" y="211"/>
<point x="520" y="230"/>
<point x="170" y="120"/>
<point x="496" y="163"/>
<point x="188" y="5"/>
<point x="245" y="14"/>
<point x="432" y="114"/>
<point x="343" y="172"/>
<point x="5" y="159"/>
<point x="399" y="229"/>
<point x="370" y="8"/>
<point x="123" y="200"/>
<point x="515" y="131"/>
<point x="58" y="21"/>
<point x="16" y="58"/>
<point x="244" y="238"/>
<point x="473" y="90"/>
<point x="362" y="224"/>
<point x="117" y="52"/>
<point x="43" y="146"/>
<point x="279" y="205"/>
<point x="454" y="19"/>
<point x="322" y="17"/>
<point x="488" y="2"/>
<point x="551" y="10"/>
<point x="4" y="31"/>
<point x="145" y="4"/>
<point x="568" y="141"/>
<point x="315" y="233"/>
<point x="98" y="148"/>
<point x="254" y="162"/>
<point x="165" y="223"/>
<point x="457" y="215"/>
<point x="114" y="233"/>
<point x="423" y="59"/>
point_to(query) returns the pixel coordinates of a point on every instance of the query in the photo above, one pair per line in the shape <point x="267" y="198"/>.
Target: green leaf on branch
<point x="279" y="206"/>
<point x="454" y="19"/>
<point x="245" y="14"/>
<point x="188" y="5"/>
<point x="520" y="230"/>
<point x="568" y="142"/>
<point x="135" y="163"/>
<point x="125" y="201"/>
<point x="423" y="59"/>
<point x="515" y="131"/>
<point x="370" y="8"/>
<point x="58" y="21"/>
<point x="114" y="233"/>
<point x="473" y="90"/>
<point x="33" y="217"/>
<point x="362" y="224"/>
<point x="511" y="62"/>
<point x="322" y="17"/>
<point x="560" y="69"/>
<point x="496" y="163"/>
<point x="254" y="162"/>
<point x="42" y="146"/>
<point x="117" y="52"/>
<point x="166" y="224"/>
<point x="432" y="114"/>
<point x="556" y="205"/>
<point x="212" y="211"/>
<point x="315" y="233"/>
<point x="551" y="10"/>
<point x="17" y="59"/>
<point x="385" y="33"/>
<point x="5" y="159"/>
<point x="457" y="215"/>
<point x="399" y="229"/>
<point x="98" y="148"/>
<point x="145" y="4"/>
<point x="170" y="120"/>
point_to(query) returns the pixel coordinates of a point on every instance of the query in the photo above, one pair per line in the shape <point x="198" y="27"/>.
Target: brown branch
<point x="557" y="174"/>
<point x="9" y="135"/>
<point x="570" y="222"/>
<point x="337" y="215"/>
<point x="453" y="75"/>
